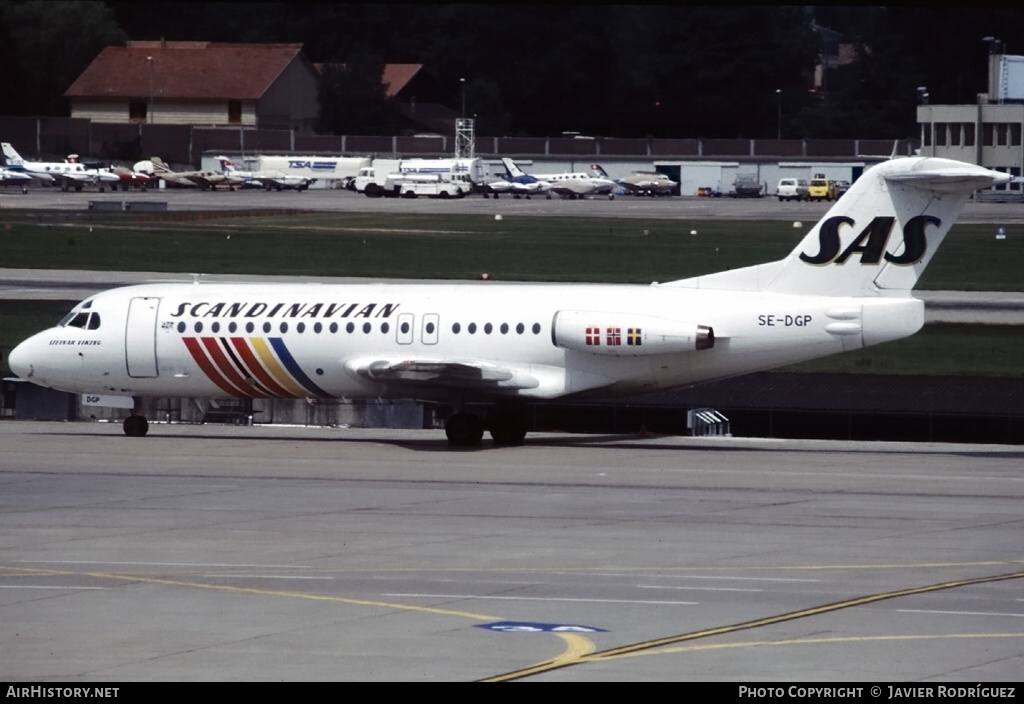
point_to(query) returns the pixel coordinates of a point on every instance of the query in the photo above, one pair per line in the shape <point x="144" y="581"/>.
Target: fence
<point x="53" y="138"/>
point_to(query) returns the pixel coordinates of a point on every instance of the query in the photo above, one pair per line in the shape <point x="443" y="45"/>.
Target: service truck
<point x="440" y="178"/>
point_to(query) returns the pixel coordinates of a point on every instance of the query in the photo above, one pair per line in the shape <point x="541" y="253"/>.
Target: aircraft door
<point x="404" y="329"/>
<point x="140" y="338"/>
<point x="430" y="329"/>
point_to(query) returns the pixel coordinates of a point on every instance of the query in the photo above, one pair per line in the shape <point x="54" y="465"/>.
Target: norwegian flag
<point x="594" y="336"/>
<point x="614" y="337"/>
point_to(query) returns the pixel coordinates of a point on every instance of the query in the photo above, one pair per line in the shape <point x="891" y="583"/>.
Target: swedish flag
<point x="634" y="337"/>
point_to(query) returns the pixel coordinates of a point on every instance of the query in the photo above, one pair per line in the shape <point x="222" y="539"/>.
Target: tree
<point x="353" y="99"/>
<point x="45" y="46"/>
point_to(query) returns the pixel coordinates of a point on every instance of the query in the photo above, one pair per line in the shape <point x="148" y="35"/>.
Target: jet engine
<point x="627" y="334"/>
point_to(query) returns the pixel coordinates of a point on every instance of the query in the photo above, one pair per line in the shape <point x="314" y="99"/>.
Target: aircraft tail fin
<point x="226" y="167"/>
<point x="11" y="155"/>
<point x="598" y="170"/>
<point x="876" y="240"/>
<point x="511" y="168"/>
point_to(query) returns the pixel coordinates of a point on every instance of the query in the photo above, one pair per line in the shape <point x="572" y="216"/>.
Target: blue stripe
<point x="293" y="367"/>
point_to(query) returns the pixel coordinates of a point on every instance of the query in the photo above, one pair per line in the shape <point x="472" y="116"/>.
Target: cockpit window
<point x="79" y="317"/>
<point x="94" y="321"/>
<point x="79" y="321"/>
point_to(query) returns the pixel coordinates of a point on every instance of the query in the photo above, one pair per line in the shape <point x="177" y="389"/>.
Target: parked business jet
<point x="578" y="184"/>
<point x="646" y="183"/>
<point x="846" y="285"/>
<point x="8" y="177"/>
<point x="69" y="173"/>
<point x="519" y="184"/>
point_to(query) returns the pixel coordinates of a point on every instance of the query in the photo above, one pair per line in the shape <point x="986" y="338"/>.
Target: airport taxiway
<point x="206" y="553"/>
<point x="323" y="200"/>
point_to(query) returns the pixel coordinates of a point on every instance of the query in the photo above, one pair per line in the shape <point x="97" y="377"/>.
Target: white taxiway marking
<point x="957" y="613"/>
<point x="538" y="598"/>
<point x="701" y="589"/>
<point x="40" y="586"/>
<point x="161" y="564"/>
<point x="261" y="576"/>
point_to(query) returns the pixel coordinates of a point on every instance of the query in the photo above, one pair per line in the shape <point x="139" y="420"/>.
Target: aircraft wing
<point x="444" y="373"/>
<point x="74" y="177"/>
<point x="202" y="181"/>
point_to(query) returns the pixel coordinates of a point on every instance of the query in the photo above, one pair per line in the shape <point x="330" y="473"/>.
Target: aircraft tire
<point x="136" y="426"/>
<point x="464" y="430"/>
<point x="507" y="428"/>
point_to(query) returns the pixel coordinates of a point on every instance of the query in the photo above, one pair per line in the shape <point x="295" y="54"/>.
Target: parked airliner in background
<point x="69" y="173"/>
<point x="846" y="285"/>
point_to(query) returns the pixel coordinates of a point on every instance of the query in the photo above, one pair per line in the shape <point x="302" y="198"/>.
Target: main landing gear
<point x="507" y="427"/>
<point x="135" y="426"/>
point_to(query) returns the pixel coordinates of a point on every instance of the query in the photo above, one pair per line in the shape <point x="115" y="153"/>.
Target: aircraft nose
<point x="19" y="360"/>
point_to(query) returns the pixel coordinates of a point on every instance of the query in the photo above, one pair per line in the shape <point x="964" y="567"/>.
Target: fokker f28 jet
<point x="846" y="285"/>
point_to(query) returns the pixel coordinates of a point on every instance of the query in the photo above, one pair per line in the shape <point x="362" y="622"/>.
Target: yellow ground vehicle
<point x="822" y="189"/>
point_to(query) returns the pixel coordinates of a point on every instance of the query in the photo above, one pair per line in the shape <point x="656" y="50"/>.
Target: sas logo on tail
<point x="870" y="243"/>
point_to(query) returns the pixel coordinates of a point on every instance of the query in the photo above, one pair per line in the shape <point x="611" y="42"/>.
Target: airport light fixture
<point x="778" y="100"/>
<point x="462" y="82"/>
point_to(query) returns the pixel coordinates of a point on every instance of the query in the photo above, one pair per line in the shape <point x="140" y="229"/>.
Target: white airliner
<point x="69" y="173"/>
<point x="846" y="285"/>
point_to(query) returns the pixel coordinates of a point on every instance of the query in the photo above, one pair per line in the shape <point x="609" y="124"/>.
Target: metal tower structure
<point x="465" y="138"/>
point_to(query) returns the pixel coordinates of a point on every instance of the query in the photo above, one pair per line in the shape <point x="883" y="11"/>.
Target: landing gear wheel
<point x="464" y="430"/>
<point x="507" y="428"/>
<point x="136" y="426"/>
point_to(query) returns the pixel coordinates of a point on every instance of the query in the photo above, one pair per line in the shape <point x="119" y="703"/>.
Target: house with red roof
<point x="264" y="86"/>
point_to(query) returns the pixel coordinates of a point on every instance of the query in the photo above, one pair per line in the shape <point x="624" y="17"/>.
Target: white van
<point x="791" y="189"/>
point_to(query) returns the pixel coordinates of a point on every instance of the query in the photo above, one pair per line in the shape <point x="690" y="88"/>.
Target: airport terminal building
<point x="987" y="133"/>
